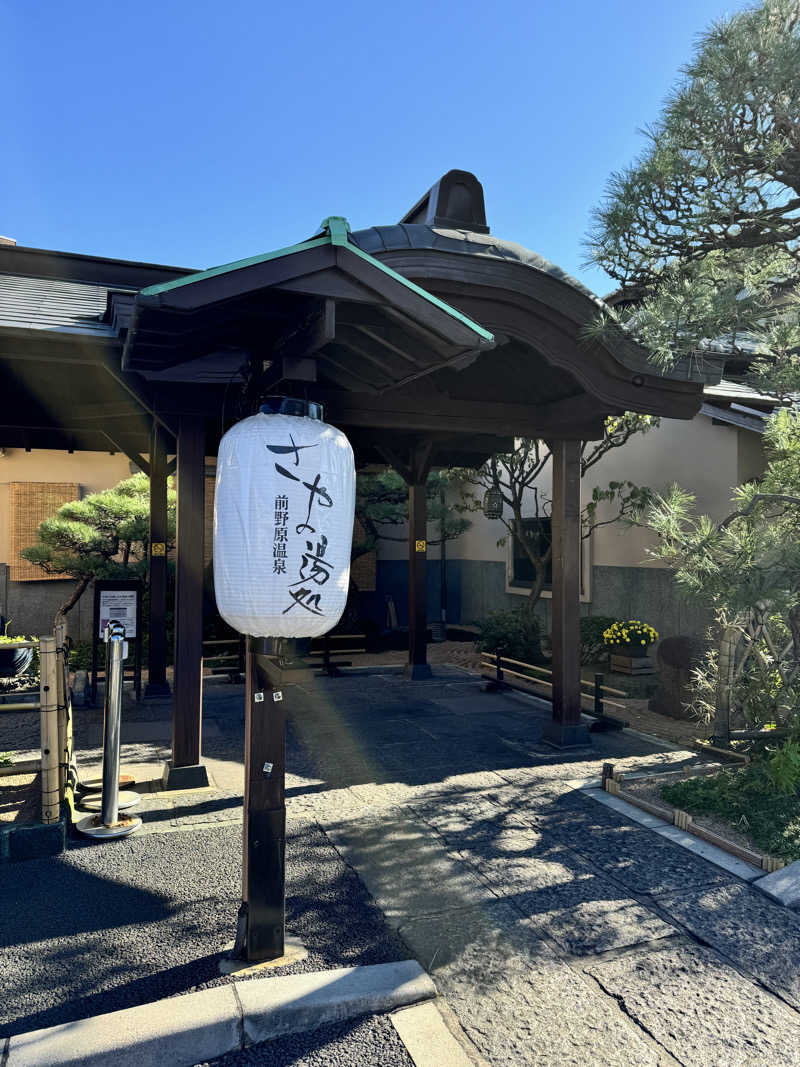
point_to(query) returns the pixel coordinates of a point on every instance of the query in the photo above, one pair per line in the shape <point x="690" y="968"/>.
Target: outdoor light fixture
<point x="283" y="522"/>
<point x="493" y="504"/>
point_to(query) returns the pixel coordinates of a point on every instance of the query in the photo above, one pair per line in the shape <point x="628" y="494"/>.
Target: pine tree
<point x="702" y="232"/>
<point x="104" y="535"/>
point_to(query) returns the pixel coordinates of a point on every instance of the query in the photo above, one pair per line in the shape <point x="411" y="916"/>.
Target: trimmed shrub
<point x="593" y="627"/>
<point x="515" y="633"/>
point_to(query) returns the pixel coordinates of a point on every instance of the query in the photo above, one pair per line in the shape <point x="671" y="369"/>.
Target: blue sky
<point x="198" y="133"/>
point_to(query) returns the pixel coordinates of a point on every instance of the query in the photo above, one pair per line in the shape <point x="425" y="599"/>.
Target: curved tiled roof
<point x="405" y="235"/>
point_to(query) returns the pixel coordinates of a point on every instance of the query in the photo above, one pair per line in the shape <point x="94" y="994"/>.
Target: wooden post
<point x="416" y="474"/>
<point x="48" y="717"/>
<point x="417" y="581"/>
<point x="565" y="729"/>
<point x="264" y="851"/>
<point x="157" y="684"/>
<point x="185" y="770"/>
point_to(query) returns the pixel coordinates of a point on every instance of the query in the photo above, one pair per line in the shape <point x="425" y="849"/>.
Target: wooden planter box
<point x="625" y="663"/>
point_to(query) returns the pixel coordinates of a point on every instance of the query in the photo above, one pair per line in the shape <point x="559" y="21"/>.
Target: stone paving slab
<point x="700" y="1010"/>
<point x="517" y="1002"/>
<point x="407" y="869"/>
<point x="589" y="916"/>
<point x="644" y="862"/>
<point x="718" y="856"/>
<point x="760" y="937"/>
<point x="458" y="816"/>
<point x="518" y="1013"/>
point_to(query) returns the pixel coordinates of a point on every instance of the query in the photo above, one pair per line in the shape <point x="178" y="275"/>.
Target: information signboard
<point x="120" y="605"/>
<point x="120" y="601"/>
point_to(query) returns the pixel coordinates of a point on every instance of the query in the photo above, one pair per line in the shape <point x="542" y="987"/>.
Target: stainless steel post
<point x="109" y="823"/>
<point x="112" y="717"/>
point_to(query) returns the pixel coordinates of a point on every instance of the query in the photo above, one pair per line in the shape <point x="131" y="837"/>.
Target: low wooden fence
<point x="331" y="646"/>
<point x="225" y="656"/>
<point x="594" y="694"/>
<point x="55" y="764"/>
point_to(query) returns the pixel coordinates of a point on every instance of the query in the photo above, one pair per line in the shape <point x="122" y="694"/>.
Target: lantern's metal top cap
<point x="284" y="405"/>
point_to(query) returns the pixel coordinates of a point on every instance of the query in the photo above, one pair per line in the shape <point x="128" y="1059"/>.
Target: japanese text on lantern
<point x="280" y="537"/>
<point x="314" y="570"/>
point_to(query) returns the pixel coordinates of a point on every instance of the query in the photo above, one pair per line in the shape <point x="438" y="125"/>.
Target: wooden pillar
<point x="566" y="729"/>
<point x="416" y="474"/>
<point x="157" y="684"/>
<point x="417" y="581"/>
<point x="185" y="770"/>
<point x="264" y="851"/>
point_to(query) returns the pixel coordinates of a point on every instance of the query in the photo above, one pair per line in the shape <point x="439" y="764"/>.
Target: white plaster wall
<point x="701" y="457"/>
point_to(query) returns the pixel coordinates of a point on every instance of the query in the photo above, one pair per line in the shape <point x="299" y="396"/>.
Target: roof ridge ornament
<point x="455" y="202"/>
<point x="337" y="227"/>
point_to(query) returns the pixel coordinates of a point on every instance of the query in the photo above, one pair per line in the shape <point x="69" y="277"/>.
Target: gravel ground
<point x="145" y="918"/>
<point x="370" y="1041"/>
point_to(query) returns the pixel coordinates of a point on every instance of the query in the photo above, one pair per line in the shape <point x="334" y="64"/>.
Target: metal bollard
<point x="109" y="823"/>
<point x="112" y="718"/>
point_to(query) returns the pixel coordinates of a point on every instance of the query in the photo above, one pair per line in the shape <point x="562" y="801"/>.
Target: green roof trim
<point x="225" y="268"/>
<point x="335" y="231"/>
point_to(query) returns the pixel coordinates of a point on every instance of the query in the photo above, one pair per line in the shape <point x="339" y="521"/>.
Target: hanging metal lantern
<point x="493" y="504"/>
<point x="283" y="524"/>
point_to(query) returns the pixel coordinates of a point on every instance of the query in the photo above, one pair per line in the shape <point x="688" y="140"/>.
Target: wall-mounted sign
<point x="283" y="525"/>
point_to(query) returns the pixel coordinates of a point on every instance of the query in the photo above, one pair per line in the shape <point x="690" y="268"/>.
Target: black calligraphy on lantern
<point x="315" y="569"/>
<point x="280" y="535"/>
<point x="307" y="599"/>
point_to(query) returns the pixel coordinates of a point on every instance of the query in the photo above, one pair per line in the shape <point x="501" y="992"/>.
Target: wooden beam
<point x="441" y="414"/>
<point x="131" y="453"/>
<point x="187" y="714"/>
<point x="315" y="331"/>
<point x="157" y="684"/>
<point x="565" y="729"/>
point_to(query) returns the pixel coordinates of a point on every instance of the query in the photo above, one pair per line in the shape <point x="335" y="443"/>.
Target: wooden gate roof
<point x="431" y="327"/>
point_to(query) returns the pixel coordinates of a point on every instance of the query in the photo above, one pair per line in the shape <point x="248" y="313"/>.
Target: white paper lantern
<point x="283" y="525"/>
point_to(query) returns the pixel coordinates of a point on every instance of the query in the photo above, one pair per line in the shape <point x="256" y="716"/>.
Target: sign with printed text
<point x="118" y="604"/>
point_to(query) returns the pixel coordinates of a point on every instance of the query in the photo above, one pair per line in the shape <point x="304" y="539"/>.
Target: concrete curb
<point x="185" y="1030"/>
<point x="430" y="1042"/>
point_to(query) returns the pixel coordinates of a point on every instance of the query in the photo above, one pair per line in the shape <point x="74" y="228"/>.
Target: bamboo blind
<point x="364" y="569"/>
<point x="29" y="504"/>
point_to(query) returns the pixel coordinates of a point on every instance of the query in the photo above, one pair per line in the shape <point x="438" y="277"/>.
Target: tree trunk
<point x="726" y="668"/>
<point x="69" y="604"/>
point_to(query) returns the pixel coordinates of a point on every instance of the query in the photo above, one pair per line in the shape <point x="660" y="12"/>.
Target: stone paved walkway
<point x="558" y="931"/>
